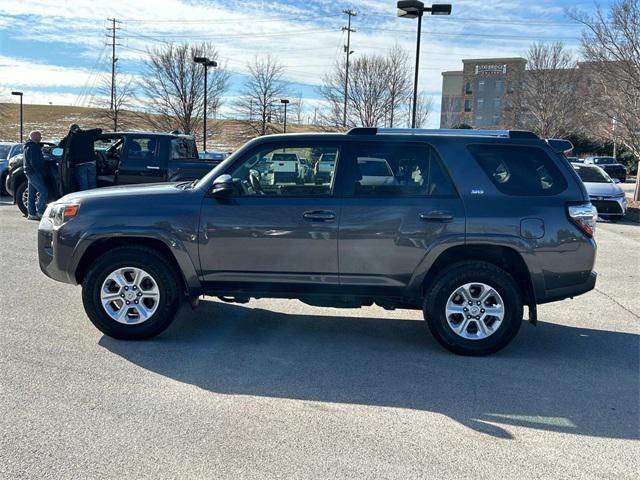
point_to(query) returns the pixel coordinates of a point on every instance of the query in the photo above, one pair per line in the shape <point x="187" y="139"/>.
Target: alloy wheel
<point x="129" y="295"/>
<point x="475" y="311"/>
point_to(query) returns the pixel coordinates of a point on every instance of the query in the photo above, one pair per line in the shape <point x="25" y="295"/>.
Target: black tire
<point x="19" y="197"/>
<point x="459" y="274"/>
<point x="3" y="181"/>
<point x="152" y="262"/>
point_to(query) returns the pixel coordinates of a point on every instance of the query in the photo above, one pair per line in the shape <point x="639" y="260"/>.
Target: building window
<point x="467" y="105"/>
<point x="479" y="103"/>
<point x="478" y="118"/>
<point x="497" y="102"/>
<point x="481" y="86"/>
<point x="467" y="88"/>
<point x="500" y="86"/>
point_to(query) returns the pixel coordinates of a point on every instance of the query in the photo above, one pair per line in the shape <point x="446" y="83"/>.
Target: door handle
<point x="436" y="216"/>
<point x="151" y="167"/>
<point x="319" y="215"/>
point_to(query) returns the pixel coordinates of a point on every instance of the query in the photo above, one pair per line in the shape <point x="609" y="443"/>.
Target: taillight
<point x="584" y="216"/>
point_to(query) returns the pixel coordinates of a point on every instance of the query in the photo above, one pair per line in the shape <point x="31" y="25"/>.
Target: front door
<point x="141" y="160"/>
<point x="275" y="233"/>
<point x="399" y="204"/>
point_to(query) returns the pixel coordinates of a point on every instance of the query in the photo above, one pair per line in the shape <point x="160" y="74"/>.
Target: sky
<point x="56" y="51"/>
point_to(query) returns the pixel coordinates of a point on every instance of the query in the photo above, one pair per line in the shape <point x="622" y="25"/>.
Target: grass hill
<point x="54" y="120"/>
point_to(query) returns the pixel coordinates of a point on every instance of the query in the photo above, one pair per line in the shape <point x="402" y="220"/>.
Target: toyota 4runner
<point x="474" y="226"/>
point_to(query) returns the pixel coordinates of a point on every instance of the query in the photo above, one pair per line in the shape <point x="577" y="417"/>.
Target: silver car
<point x="605" y="194"/>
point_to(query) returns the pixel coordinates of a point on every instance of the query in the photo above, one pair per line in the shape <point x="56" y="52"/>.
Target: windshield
<point x="604" y="160"/>
<point x="592" y="174"/>
<point x="4" y="151"/>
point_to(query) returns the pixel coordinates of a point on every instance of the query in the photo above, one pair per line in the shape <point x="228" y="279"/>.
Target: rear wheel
<point x="475" y="308"/>
<point x="131" y="293"/>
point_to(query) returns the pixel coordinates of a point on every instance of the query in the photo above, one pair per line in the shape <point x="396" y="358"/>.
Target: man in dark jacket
<point x="79" y="155"/>
<point x="35" y="170"/>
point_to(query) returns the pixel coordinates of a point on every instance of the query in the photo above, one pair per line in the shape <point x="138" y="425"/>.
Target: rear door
<point x="141" y="160"/>
<point x="391" y="220"/>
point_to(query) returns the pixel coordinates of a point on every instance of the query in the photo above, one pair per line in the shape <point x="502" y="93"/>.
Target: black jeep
<point x="121" y="158"/>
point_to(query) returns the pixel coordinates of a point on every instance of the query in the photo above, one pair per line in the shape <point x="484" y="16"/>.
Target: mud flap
<point x="533" y="314"/>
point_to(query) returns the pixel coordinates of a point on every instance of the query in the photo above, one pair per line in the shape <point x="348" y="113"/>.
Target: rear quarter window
<point x="519" y="170"/>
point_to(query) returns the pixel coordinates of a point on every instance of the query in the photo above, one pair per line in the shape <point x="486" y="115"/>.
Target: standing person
<point x="79" y="154"/>
<point x="35" y="170"/>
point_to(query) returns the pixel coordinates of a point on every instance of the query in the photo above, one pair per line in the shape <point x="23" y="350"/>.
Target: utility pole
<point x="347" y="48"/>
<point x="114" y="59"/>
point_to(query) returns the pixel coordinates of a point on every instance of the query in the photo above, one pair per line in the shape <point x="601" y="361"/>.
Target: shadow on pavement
<point x="552" y="377"/>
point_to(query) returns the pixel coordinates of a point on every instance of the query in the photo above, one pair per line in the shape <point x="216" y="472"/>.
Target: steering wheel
<point x="254" y="179"/>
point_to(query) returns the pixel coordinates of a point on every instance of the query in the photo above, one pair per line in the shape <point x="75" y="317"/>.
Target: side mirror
<point x="57" y="152"/>
<point x="616" y="180"/>
<point x="222" y="186"/>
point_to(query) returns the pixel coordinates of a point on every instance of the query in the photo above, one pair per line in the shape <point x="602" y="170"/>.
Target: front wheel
<point x="22" y="197"/>
<point x="131" y="293"/>
<point x="475" y="308"/>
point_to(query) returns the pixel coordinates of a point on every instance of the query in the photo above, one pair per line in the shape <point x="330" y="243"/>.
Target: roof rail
<point x="461" y="132"/>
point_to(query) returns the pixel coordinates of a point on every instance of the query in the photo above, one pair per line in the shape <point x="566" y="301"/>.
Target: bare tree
<point x="549" y="94"/>
<point x="262" y="90"/>
<point x="451" y="111"/>
<point x="379" y="89"/>
<point x="173" y="86"/>
<point x="611" y="48"/>
<point x="399" y="79"/>
<point x="424" y="107"/>
<point x="297" y="107"/>
<point x="125" y="92"/>
<point x="368" y="95"/>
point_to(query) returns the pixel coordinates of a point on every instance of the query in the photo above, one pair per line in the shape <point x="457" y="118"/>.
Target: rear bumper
<point x="556" y="294"/>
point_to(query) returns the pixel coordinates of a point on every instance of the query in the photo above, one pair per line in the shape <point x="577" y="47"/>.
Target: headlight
<point x="60" y="213"/>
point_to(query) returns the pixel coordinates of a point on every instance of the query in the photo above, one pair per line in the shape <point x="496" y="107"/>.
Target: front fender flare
<point x="173" y="243"/>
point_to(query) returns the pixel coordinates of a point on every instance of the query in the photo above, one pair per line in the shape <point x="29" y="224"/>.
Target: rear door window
<point x="519" y="170"/>
<point x="183" y="149"/>
<point x="398" y="170"/>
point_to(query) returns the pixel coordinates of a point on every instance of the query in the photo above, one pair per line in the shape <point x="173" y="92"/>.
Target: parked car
<point x="609" y="165"/>
<point x="477" y="225"/>
<point x="575" y="160"/>
<point x="15" y="170"/>
<point x="8" y="150"/>
<point x="605" y="194"/>
<point x="124" y="158"/>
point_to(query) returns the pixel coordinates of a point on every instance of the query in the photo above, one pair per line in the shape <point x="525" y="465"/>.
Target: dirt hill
<point x="54" y="120"/>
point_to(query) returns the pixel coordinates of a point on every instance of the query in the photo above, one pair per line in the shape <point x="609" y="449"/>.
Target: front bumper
<point x="54" y="255"/>
<point x="613" y="206"/>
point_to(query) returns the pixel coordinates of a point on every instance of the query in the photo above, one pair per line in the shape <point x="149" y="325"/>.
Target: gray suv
<point x="467" y="226"/>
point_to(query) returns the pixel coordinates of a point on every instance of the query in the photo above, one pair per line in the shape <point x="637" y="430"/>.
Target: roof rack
<point x="461" y="132"/>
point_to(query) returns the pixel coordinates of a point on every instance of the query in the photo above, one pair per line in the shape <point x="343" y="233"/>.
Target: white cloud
<point x="307" y="43"/>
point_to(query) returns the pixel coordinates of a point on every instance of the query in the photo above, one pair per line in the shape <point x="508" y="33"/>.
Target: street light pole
<point x="20" y="94"/>
<point x="206" y="63"/>
<point x="414" y="108"/>
<point x="416" y="9"/>
<point x="285" y="102"/>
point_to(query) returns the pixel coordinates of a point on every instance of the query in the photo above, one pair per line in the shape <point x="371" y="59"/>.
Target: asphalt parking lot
<point x="277" y="389"/>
